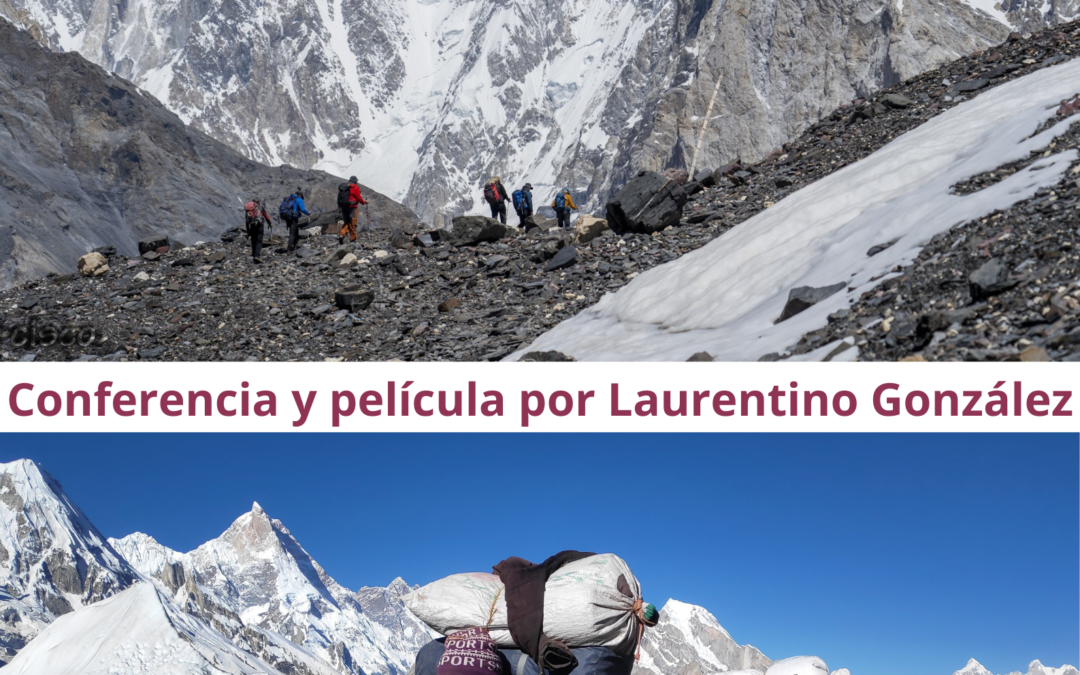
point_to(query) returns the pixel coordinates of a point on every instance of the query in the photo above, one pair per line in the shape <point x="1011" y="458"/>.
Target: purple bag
<point x="470" y="652"/>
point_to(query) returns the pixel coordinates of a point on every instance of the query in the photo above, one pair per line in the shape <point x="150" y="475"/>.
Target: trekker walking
<point x="290" y="211"/>
<point x="563" y="205"/>
<point x="349" y="198"/>
<point x="523" y="203"/>
<point x="254" y="215"/>
<point x="496" y="197"/>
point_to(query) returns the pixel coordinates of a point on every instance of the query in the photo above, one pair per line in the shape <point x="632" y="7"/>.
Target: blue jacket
<point x="301" y="207"/>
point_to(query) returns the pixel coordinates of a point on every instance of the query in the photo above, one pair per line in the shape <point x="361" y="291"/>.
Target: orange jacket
<point x="569" y="202"/>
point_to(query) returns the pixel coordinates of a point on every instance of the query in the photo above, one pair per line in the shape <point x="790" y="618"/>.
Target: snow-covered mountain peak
<point x="145" y="553"/>
<point x="52" y="558"/>
<point x="685" y="615"/>
<point x="689" y="639"/>
<point x="973" y="667"/>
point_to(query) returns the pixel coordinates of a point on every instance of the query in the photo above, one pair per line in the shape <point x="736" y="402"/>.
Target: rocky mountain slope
<point x="52" y="558"/>
<point x="424" y="99"/>
<point x="90" y="159"/>
<point x="441" y="300"/>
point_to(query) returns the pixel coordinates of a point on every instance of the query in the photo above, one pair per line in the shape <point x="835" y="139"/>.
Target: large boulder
<point x="649" y="203"/>
<point x="353" y="298"/>
<point x="804" y="297"/>
<point x="588" y="228"/>
<point x="158" y="244"/>
<point x="93" y="264"/>
<point x="990" y="279"/>
<point x="471" y="230"/>
<point x="537" y="221"/>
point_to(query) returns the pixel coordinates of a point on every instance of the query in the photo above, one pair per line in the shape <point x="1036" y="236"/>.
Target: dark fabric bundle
<point x="525" y="585"/>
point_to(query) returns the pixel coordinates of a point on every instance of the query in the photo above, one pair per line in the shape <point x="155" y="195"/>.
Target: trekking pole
<point x="367" y="210"/>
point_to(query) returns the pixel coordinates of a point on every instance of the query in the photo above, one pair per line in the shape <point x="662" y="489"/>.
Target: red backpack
<point x="491" y="193"/>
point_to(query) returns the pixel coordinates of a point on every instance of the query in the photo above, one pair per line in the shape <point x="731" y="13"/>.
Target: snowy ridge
<point x="52" y="559"/>
<point x="137" y="632"/>
<point x="726" y="297"/>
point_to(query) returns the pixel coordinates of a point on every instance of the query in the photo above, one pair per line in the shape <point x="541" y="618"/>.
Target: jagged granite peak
<point x="257" y="585"/>
<point x="690" y="641"/>
<point x="385" y="607"/>
<point x="92" y="160"/>
<point x="424" y="99"/>
<point x="52" y="558"/>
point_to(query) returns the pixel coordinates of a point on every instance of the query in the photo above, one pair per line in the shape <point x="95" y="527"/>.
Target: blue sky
<point x="885" y="554"/>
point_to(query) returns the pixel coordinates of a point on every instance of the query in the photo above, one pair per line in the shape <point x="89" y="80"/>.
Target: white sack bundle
<point x="583" y="606"/>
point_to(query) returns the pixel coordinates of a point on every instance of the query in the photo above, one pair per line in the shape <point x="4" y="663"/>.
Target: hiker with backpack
<point x="496" y="197"/>
<point x="523" y="203"/>
<point x="563" y="205"/>
<point x="254" y="215"/>
<point x="289" y="211"/>
<point x="348" y="200"/>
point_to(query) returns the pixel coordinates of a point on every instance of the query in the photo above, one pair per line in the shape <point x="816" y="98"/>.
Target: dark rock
<point x="566" y="257"/>
<point x="214" y="258"/>
<point x="705" y="178"/>
<point x="783" y="182"/>
<point x="802" y="298"/>
<point x="874" y="250"/>
<point x="353" y="298"/>
<point x="970" y="85"/>
<point x="990" y="279"/>
<point x="647" y="204"/>
<point x="159" y="244"/>
<point x="546" y="357"/>
<point x="183" y="262"/>
<point x="63" y="278"/>
<point x="539" y="222"/>
<point x="700" y="357"/>
<point x="897" y="101"/>
<point x="424" y="240"/>
<point x="399" y="239"/>
<point x="107" y="251"/>
<point x="28" y="303"/>
<point x="693" y="188"/>
<point x="495" y="260"/>
<point x="151" y="353"/>
<point x="472" y="230"/>
<point x="700" y="217"/>
<point x="449" y="305"/>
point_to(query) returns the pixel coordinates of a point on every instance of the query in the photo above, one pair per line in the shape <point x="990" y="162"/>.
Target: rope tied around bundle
<point x="647" y="615"/>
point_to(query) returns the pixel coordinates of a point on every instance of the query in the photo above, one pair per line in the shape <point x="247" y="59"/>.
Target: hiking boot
<point x="258" y="261"/>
